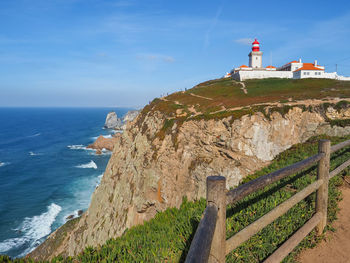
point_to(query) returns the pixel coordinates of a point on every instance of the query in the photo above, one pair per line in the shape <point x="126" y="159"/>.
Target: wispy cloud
<point x="212" y="26"/>
<point x="244" y="41"/>
<point x="156" y="58"/>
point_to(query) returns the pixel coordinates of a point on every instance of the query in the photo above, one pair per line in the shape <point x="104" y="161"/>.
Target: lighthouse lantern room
<point x="255" y="56"/>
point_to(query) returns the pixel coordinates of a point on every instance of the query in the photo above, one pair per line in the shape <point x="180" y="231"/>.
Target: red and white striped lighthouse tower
<point x="255" y="57"/>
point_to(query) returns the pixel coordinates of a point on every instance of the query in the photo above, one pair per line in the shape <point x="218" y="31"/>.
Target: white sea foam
<point x="34" y="135"/>
<point x="33" y="229"/>
<point x="103" y="152"/>
<point x="75" y="214"/>
<point x="34" y="154"/>
<point x="91" y="164"/>
<point x="3" y="164"/>
<point x="77" y="147"/>
<point x="105" y="136"/>
<point x="98" y="181"/>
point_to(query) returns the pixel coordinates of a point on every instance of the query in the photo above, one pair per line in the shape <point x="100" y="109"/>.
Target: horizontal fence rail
<point x="271" y="216"/>
<point x="340" y="146"/>
<point x="242" y="191"/>
<point x="294" y="240"/>
<point x="209" y="243"/>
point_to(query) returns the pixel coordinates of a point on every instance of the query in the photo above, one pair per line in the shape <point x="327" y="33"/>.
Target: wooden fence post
<point x="324" y="146"/>
<point x="216" y="193"/>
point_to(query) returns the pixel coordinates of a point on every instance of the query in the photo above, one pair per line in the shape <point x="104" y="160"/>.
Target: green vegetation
<point x="167" y="237"/>
<point x="221" y="98"/>
<point x="211" y="96"/>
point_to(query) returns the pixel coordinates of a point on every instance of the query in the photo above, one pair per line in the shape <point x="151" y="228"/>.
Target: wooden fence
<point x="209" y="243"/>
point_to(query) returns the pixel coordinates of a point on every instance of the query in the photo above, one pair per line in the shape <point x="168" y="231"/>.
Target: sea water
<point x="46" y="171"/>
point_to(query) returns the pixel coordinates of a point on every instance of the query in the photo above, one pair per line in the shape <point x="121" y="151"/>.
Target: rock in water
<point x="80" y="212"/>
<point x="69" y="217"/>
<point x="104" y="143"/>
<point x="112" y="121"/>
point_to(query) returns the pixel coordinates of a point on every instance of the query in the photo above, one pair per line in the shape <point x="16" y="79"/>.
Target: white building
<point x="293" y="69"/>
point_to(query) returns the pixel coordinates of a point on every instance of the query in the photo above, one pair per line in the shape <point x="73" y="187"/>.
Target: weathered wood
<point x="268" y="218"/>
<point x="243" y="190"/>
<point x="294" y="240"/>
<point x="216" y="194"/>
<point x="339" y="146"/>
<point x="339" y="169"/>
<point x="200" y="247"/>
<point x="324" y="146"/>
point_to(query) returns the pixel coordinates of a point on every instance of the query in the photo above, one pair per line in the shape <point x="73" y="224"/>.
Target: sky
<point x="124" y="53"/>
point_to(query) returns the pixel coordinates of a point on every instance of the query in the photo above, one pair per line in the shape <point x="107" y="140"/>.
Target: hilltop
<point x="221" y="97"/>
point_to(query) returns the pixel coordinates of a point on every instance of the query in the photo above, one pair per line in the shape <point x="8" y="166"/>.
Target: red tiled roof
<point x="308" y="66"/>
<point x="243" y="66"/>
<point x="294" y="61"/>
<point x="270" y="66"/>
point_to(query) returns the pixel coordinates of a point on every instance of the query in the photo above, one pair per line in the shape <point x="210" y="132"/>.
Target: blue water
<point x="46" y="173"/>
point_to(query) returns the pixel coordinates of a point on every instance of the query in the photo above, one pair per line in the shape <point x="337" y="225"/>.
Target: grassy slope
<point x="227" y="93"/>
<point x="167" y="237"/>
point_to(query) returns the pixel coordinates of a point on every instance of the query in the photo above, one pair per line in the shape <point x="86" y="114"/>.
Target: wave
<point x="32" y="229"/>
<point x="91" y="164"/>
<point x="3" y="164"/>
<point x="34" y="135"/>
<point x="77" y="147"/>
<point x="34" y="154"/>
<point x="75" y="214"/>
<point x="105" y="136"/>
<point x="99" y="178"/>
<point x="103" y="152"/>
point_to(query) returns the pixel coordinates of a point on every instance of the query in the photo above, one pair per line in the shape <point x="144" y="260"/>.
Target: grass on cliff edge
<point x="226" y="93"/>
<point x="167" y="237"/>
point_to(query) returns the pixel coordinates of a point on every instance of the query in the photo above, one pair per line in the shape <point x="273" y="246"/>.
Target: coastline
<point x="65" y="173"/>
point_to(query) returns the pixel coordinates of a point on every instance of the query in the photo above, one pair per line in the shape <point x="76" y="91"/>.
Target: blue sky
<point x="119" y="53"/>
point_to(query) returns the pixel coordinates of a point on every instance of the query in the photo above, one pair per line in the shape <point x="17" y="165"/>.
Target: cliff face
<point x="153" y="168"/>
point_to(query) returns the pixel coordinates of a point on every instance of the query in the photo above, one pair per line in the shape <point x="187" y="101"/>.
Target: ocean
<point x="46" y="173"/>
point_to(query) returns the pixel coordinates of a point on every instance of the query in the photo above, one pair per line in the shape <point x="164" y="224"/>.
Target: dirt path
<point x="198" y="96"/>
<point x="336" y="247"/>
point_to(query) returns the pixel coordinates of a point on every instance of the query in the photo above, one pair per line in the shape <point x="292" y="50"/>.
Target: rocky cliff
<point x="157" y="161"/>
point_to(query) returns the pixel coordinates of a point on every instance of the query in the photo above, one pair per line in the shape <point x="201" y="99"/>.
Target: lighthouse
<point x="255" y="56"/>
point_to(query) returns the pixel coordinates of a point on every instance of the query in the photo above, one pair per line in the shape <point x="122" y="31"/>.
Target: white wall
<point x="343" y="78"/>
<point x="309" y="74"/>
<point x="261" y="74"/>
<point x="295" y="66"/>
<point x="331" y="75"/>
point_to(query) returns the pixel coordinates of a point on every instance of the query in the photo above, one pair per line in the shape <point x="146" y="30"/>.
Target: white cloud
<point x="245" y="41"/>
<point x="212" y="26"/>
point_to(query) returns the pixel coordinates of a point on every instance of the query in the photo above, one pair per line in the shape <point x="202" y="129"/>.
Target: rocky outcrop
<point x="112" y="121"/>
<point x="153" y="168"/>
<point x="102" y="143"/>
<point x="130" y="115"/>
